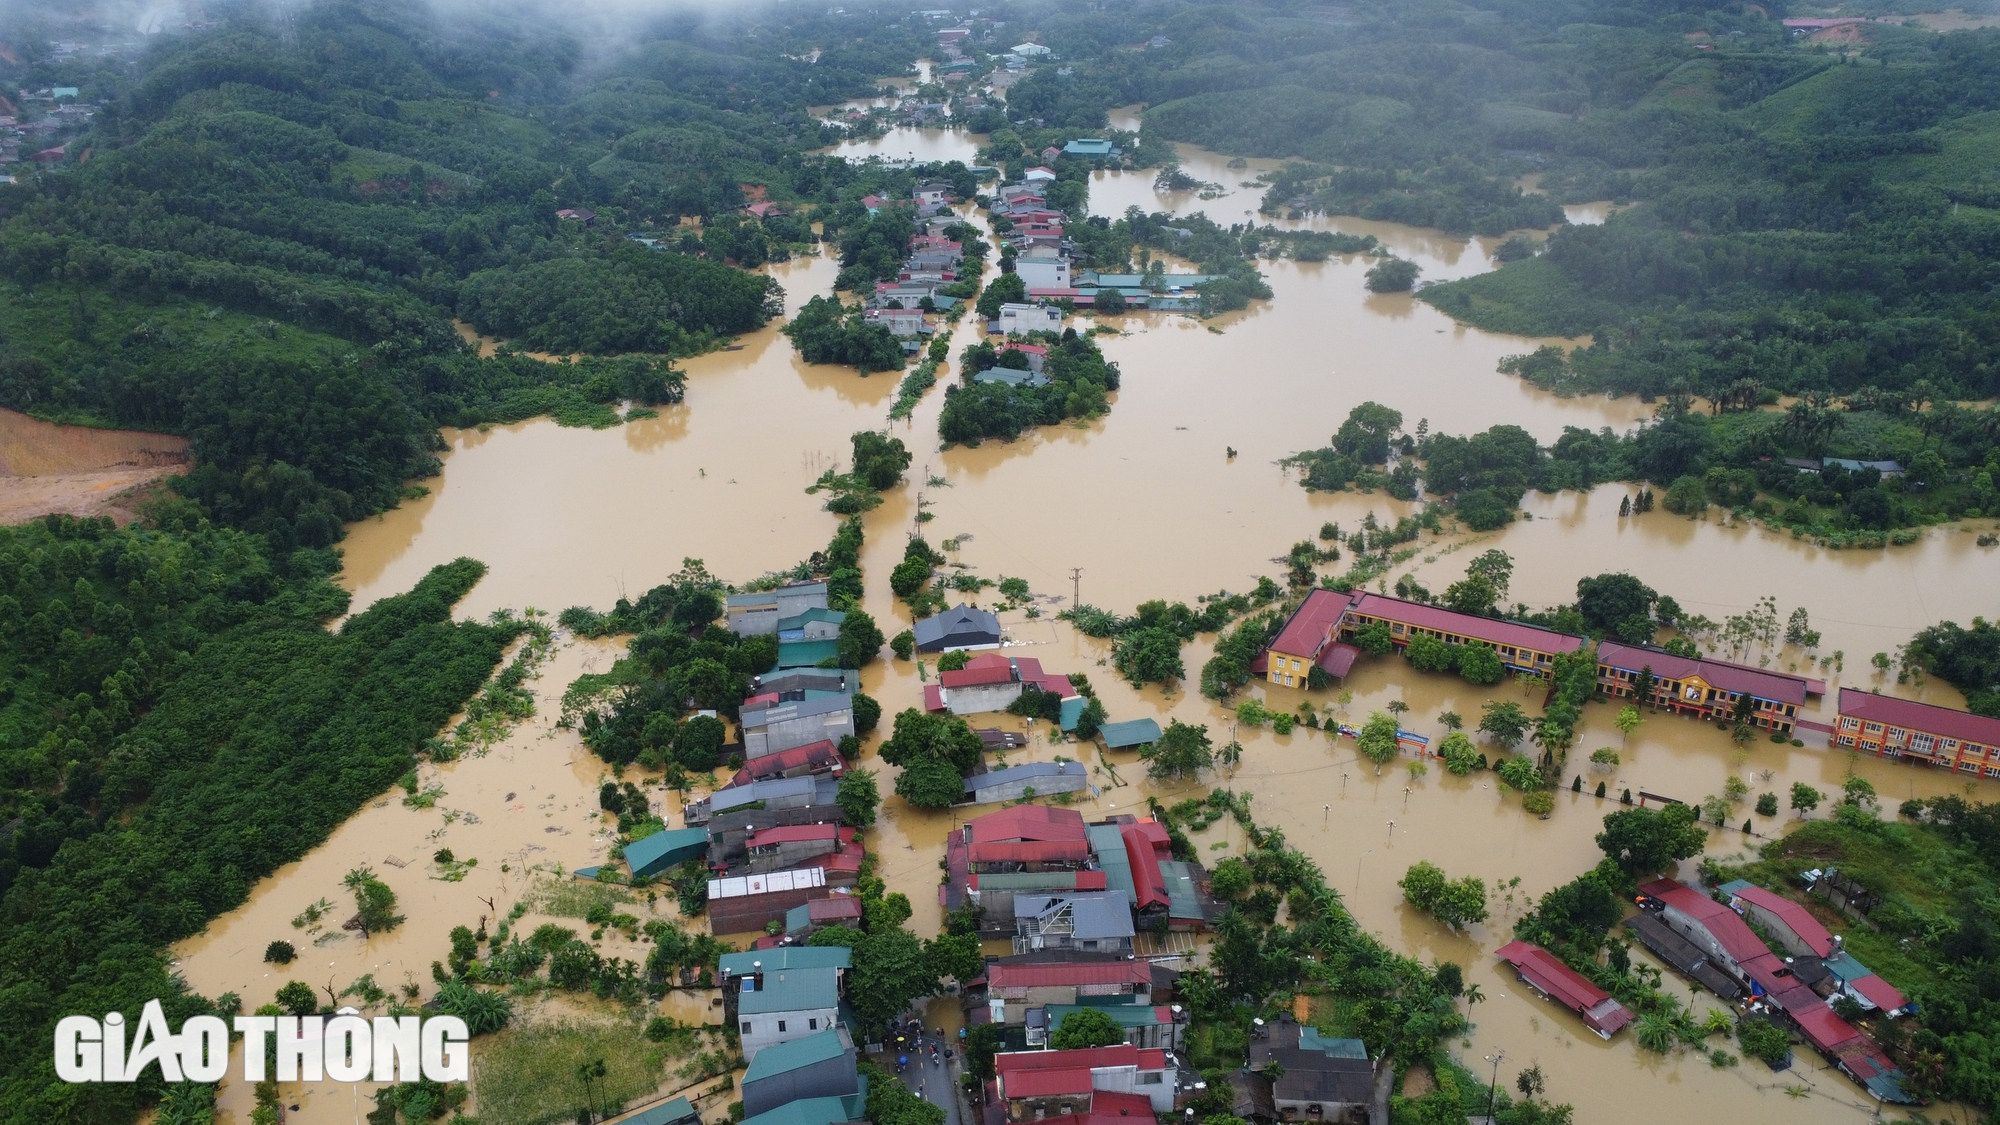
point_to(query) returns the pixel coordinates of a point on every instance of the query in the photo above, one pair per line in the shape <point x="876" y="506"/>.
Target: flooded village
<point x="803" y="794"/>
<point x="1080" y="904"/>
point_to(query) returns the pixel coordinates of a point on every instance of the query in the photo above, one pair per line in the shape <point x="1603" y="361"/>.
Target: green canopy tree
<point x="1377" y="741"/>
<point x="1086" y="1027"/>
<point x="1182" y="751"/>
<point x="1646" y="841"/>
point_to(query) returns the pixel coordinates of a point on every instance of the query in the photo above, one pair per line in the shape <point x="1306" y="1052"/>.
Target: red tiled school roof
<point x="1911" y="715"/>
<point x="1028" y="822"/>
<point x="1797" y="917"/>
<point x="1729" y="930"/>
<point x="1738" y="678"/>
<point x="1466" y="625"/>
<point x="1067" y="974"/>
<point x="1312" y="623"/>
<point x="1338" y="659"/>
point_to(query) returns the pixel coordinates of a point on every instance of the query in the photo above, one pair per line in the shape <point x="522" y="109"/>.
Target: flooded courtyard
<point x="1148" y="502"/>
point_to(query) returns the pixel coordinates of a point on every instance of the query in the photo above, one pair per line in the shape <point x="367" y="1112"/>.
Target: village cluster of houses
<point x="1710" y="939"/>
<point x="1320" y="634"/>
<point x="1043" y="254"/>
<point x="910" y="305"/>
<point x="33" y="119"/>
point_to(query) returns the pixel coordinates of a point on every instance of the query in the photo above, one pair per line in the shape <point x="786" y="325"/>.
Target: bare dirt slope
<point x="78" y="470"/>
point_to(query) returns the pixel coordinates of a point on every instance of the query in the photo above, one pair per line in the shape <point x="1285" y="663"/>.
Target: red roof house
<point x="1003" y="978"/>
<point x="1794" y="925"/>
<point x="1707" y="923"/>
<point x="1557" y="981"/>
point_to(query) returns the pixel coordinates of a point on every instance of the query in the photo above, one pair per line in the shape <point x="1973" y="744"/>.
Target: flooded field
<point x="1148" y="503"/>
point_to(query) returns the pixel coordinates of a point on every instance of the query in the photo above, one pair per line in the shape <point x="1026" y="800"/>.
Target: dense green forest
<point x="178" y="723"/>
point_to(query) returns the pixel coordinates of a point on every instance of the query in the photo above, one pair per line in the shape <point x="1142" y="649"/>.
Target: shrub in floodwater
<point x="280" y="953"/>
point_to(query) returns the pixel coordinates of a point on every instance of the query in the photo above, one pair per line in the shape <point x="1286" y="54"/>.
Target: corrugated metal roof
<point x="1062" y="974"/>
<point x="805" y="654"/>
<point x="1729" y="930"/>
<point x="1794" y="915"/>
<point x="798" y="709"/>
<point x="666" y="849"/>
<point x="1028" y="771"/>
<point x="1030" y="851"/>
<point x="1147" y="886"/>
<point x="1565" y="985"/>
<point x="789" y="957"/>
<point x="1131" y="732"/>
<point x="1879" y="992"/>
<point x="1027" y="822"/>
<point x="814" y="1111"/>
<point x="1109" y="844"/>
<point x="1093" y="914"/>
<point x="1822" y="1028"/>
<point x="791" y="990"/>
<point x="783" y="1058"/>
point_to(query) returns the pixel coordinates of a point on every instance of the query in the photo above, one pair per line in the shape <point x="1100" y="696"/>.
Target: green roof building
<point x="1130" y="733"/>
<point x="816" y="1111"/>
<point x="663" y="851"/>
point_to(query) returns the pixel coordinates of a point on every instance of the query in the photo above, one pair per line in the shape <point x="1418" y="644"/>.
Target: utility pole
<point x="1493" y="1090"/>
<point x="1075" y="586"/>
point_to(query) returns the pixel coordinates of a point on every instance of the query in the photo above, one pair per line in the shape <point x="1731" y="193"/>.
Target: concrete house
<point x="1030" y="50"/>
<point x="960" y="627"/>
<point x="1041" y="1084"/>
<point x="1012" y="989"/>
<point x="812" y="625"/>
<point x="1144" y="1025"/>
<point x="850" y="1110"/>
<point x="1015" y="782"/>
<point x="1019" y="319"/>
<point x="1043" y="268"/>
<point x="784" y="726"/>
<point x="778" y="995"/>
<point x="1792" y="925"/>
<point x="784" y="847"/>
<point x="759" y="613"/>
<point x="820" y="1065"/>
<point x="663" y="851"/>
<point x="1093" y="921"/>
<point x="1038" y="175"/>
<point x="1318" y="1079"/>
<point x="741" y="904"/>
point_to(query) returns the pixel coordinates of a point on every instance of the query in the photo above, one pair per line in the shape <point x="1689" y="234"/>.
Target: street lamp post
<point x="1392" y="830"/>
<point x="1493" y="1091"/>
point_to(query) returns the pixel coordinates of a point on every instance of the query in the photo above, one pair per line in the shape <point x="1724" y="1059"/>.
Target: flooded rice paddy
<point x="1148" y="503"/>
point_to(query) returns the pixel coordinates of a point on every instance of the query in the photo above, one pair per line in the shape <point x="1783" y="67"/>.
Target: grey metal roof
<point x="738" y="795"/>
<point x="797" y="709"/>
<point x="1024" y="772"/>
<point x="1093" y="914"/>
<point x="1131" y="732"/>
<point x="786" y="957"/>
<point x="960" y="618"/>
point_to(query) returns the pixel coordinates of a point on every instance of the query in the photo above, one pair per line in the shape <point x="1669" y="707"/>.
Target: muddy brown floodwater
<point x="1148" y="502"/>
